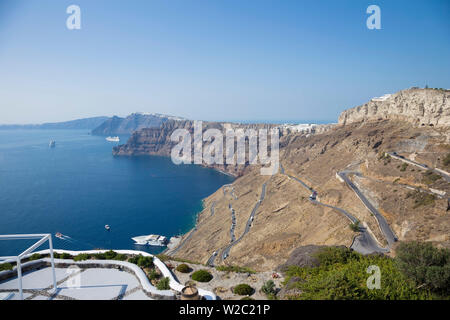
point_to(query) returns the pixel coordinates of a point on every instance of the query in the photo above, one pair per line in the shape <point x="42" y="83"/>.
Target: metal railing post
<point x="19" y="275"/>
<point x="52" y="261"/>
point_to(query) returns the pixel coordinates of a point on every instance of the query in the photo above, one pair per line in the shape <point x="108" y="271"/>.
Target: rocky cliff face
<point x="156" y="140"/>
<point x="422" y="107"/>
<point x="135" y="121"/>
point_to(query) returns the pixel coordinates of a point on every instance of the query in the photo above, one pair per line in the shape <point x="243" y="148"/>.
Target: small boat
<point x="113" y="139"/>
<point x="107" y="227"/>
<point x="151" y="240"/>
<point x="59" y="235"/>
<point x="52" y="144"/>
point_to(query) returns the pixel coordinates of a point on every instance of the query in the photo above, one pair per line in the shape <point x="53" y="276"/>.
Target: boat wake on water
<point x="73" y="241"/>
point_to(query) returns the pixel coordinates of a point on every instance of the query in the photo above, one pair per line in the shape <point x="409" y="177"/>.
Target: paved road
<point x="226" y="252"/>
<point x="212" y="208"/>
<point x="385" y="228"/>
<point x="420" y="165"/>
<point x="363" y="243"/>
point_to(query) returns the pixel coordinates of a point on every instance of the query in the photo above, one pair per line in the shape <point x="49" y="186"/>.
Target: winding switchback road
<point x="226" y="251"/>
<point x="385" y="228"/>
<point x="363" y="243"/>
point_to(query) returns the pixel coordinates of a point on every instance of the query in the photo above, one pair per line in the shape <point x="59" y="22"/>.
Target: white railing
<point x="42" y="239"/>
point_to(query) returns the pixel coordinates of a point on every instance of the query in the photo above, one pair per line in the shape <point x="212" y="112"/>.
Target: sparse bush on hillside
<point x="429" y="177"/>
<point x="446" y="160"/>
<point x="403" y="166"/>
<point x="236" y="269"/>
<point x="355" y="226"/>
<point x="202" y="276"/>
<point x="421" y="198"/>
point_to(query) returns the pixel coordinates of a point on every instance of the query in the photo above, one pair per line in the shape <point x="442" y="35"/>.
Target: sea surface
<point x="78" y="187"/>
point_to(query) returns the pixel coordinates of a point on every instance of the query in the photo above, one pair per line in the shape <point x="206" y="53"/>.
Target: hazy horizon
<point x="214" y="60"/>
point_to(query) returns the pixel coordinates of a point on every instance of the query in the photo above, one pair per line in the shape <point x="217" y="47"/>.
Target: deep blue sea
<point x="78" y="187"/>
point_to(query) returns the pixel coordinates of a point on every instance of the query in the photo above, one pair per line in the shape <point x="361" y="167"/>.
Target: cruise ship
<point x="113" y="139"/>
<point x="151" y="240"/>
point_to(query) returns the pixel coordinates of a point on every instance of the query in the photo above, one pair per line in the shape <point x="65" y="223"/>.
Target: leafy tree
<point x="426" y="265"/>
<point x="342" y="274"/>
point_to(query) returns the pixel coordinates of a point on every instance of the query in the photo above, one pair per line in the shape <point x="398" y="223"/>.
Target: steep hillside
<point x="286" y="219"/>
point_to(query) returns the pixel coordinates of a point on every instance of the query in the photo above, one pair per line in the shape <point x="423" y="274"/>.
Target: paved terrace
<point x="98" y="280"/>
<point x="95" y="284"/>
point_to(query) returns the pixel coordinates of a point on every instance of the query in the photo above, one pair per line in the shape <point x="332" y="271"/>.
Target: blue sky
<point x="252" y="60"/>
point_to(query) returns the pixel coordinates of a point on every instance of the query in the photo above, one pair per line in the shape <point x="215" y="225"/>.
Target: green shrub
<point x="404" y="166"/>
<point x="427" y="266"/>
<point x="354" y="226"/>
<point x="64" y="255"/>
<point x="269" y="287"/>
<point x="153" y="274"/>
<point x="120" y="257"/>
<point x="5" y="266"/>
<point x="446" y="160"/>
<point x="82" y="257"/>
<point x="35" y="256"/>
<point x="100" y="256"/>
<point x="141" y="261"/>
<point x="334" y="255"/>
<point x="343" y="275"/>
<point x="183" y="268"/>
<point x="202" y="276"/>
<point x="163" y="284"/>
<point x="110" y="255"/>
<point x="247" y="298"/>
<point x="243" y="289"/>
